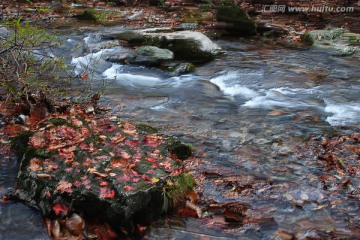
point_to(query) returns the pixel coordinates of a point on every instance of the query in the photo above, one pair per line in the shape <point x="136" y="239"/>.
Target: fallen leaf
<point x="128" y="188"/>
<point x="154" y="180"/>
<point x="35" y="165"/>
<point x="64" y="186"/>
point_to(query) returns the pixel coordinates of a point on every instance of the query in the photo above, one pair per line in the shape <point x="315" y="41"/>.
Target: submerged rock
<point x="187" y="45"/>
<point x="338" y="41"/>
<point x="183" y="68"/>
<point x="120" y="174"/>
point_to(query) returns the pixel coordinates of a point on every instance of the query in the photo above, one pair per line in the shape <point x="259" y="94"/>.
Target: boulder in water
<point x="149" y="56"/>
<point x="337" y="41"/>
<point x="186" y="45"/>
<point x="120" y="174"/>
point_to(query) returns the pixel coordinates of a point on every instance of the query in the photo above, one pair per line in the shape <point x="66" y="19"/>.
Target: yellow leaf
<point x="102" y="137"/>
<point x="154" y="180"/>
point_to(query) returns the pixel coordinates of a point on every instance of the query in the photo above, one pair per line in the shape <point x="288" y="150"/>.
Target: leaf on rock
<point x="50" y="166"/>
<point x="129" y="129"/>
<point x="59" y="208"/>
<point x="118" y="163"/>
<point x="124" y="178"/>
<point x="152" y="140"/>
<point x="105" y="192"/>
<point x="38" y="140"/>
<point x="129" y="188"/>
<point x="154" y="180"/>
<point x="35" y="165"/>
<point x="64" y="186"/>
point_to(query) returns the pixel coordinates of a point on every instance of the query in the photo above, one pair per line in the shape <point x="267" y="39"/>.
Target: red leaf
<point x="141" y="229"/>
<point x="38" y="140"/>
<point x="59" y="208"/>
<point x="152" y="140"/>
<point x="64" y="186"/>
<point x="124" y="178"/>
<point x="84" y="77"/>
<point x="105" y="192"/>
<point x="128" y="188"/>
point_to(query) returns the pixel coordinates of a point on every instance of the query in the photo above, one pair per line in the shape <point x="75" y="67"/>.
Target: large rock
<point x="233" y="20"/>
<point x="338" y="41"/>
<point x="115" y="172"/>
<point x="186" y="45"/>
<point x="149" y="56"/>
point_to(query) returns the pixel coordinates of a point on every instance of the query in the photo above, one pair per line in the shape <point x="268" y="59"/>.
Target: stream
<point x="245" y="112"/>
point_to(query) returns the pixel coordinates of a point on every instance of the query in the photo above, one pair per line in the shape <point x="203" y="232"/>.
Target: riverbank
<point x="276" y="23"/>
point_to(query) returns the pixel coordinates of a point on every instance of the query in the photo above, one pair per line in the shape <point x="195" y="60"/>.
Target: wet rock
<point x="186" y="26"/>
<point x="186" y="45"/>
<point x="95" y="47"/>
<point x="285" y="151"/>
<point x="4" y="32"/>
<point x="232" y="19"/>
<point x="284" y="235"/>
<point x="184" y="68"/>
<point x="149" y="56"/>
<point x="112" y="171"/>
<point x="338" y="41"/>
<point x="135" y="16"/>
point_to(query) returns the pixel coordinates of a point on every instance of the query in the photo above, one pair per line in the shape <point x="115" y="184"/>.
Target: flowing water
<point x="245" y="112"/>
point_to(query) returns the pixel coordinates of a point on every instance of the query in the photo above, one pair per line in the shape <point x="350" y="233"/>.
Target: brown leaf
<point x="38" y="140"/>
<point x="64" y="186"/>
<point x="35" y="165"/>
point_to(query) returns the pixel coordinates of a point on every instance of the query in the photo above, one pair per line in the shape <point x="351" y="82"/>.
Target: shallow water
<point x="246" y="112"/>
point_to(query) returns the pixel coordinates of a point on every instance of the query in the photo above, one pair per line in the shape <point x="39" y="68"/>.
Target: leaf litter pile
<point x="110" y="171"/>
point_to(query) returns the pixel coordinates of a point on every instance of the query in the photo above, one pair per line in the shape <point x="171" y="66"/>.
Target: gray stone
<point x="184" y="68"/>
<point x="186" y="45"/>
<point x="149" y="56"/>
<point x="4" y="32"/>
<point x="338" y="41"/>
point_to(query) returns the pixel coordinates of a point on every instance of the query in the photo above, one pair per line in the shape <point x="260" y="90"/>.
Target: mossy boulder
<point x="149" y="56"/>
<point x="337" y="41"/>
<point x="233" y="20"/>
<point x="186" y="45"/>
<point x="183" y="68"/>
<point x="121" y="174"/>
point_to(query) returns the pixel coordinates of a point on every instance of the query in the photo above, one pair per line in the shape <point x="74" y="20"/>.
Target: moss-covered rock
<point x="232" y="19"/>
<point x="337" y="41"/>
<point x="100" y="167"/>
<point x="149" y="56"/>
<point x="184" y="68"/>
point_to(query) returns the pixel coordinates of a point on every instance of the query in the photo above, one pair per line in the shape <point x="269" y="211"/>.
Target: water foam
<point x="90" y="60"/>
<point x="343" y="114"/>
<point x="227" y="84"/>
<point x="115" y="72"/>
<point x="282" y="97"/>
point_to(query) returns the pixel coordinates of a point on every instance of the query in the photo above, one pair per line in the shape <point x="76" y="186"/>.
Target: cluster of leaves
<point x="79" y="153"/>
<point x="338" y="156"/>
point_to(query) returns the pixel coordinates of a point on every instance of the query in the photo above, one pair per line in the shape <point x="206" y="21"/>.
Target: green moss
<point x="242" y="23"/>
<point x="176" y="189"/>
<point x="307" y="39"/>
<point x="146" y="128"/>
<point x="20" y="143"/>
<point x="88" y="15"/>
<point x="180" y="150"/>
